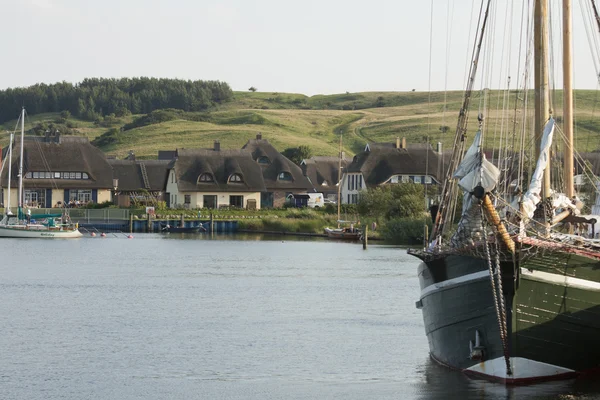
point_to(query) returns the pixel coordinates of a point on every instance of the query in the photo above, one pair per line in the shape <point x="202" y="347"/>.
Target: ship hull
<point x="18" y="232"/>
<point x="552" y="317"/>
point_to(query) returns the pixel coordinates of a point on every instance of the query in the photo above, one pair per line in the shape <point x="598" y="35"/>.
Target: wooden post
<point x="365" y="238"/>
<point x="149" y="223"/>
<point x="212" y="223"/>
<point x="130" y="223"/>
<point x="182" y="220"/>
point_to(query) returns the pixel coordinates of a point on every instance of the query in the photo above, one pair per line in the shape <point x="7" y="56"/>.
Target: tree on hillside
<point x="252" y="89"/>
<point x="297" y="154"/>
<point x="94" y="98"/>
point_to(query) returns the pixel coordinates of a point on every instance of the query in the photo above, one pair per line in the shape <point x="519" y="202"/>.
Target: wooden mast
<point x="542" y="95"/>
<point x="568" y="100"/>
<point x="339" y="197"/>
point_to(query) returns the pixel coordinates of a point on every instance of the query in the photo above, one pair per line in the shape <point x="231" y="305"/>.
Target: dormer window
<point x="204" y="178"/>
<point x="235" y="178"/>
<point x="263" y="160"/>
<point x="285" y="176"/>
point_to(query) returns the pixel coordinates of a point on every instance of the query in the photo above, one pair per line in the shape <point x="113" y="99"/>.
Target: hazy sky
<point x="308" y="46"/>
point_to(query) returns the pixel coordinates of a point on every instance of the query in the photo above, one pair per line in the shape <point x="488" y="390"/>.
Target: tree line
<point x="94" y="98"/>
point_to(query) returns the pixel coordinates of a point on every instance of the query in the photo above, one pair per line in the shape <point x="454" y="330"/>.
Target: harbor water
<point x="170" y="316"/>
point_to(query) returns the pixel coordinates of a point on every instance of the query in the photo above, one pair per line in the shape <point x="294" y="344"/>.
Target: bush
<point x="405" y="230"/>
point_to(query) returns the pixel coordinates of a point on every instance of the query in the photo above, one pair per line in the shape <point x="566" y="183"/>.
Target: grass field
<point x="290" y="120"/>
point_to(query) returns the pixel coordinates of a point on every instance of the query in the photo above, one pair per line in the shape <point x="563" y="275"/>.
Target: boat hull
<point x="343" y="234"/>
<point x="553" y="318"/>
<point x="14" y="232"/>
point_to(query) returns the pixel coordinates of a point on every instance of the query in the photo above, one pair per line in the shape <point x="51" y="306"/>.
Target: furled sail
<point x="476" y="170"/>
<point x="532" y="197"/>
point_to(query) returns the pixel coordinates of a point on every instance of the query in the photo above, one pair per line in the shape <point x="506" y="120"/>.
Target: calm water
<point x="163" y="317"/>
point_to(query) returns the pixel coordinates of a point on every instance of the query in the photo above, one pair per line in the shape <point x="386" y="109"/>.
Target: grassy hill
<point x="290" y="120"/>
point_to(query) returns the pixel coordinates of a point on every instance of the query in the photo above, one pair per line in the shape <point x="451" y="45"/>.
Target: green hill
<point x="290" y="120"/>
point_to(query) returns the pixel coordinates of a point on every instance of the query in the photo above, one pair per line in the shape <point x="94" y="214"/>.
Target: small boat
<point x="343" y="233"/>
<point x="183" y="229"/>
<point x="21" y="225"/>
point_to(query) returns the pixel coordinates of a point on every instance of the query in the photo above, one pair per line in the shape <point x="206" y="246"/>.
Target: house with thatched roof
<point x="280" y="175"/>
<point x="323" y="172"/>
<point x="139" y="181"/>
<point x="56" y="170"/>
<point x="213" y="178"/>
<point x="391" y="163"/>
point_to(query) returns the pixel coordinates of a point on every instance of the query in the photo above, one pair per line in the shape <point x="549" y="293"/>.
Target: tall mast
<point x="7" y="208"/>
<point x="542" y="95"/>
<point x="20" y="205"/>
<point x="339" y="199"/>
<point x="568" y="100"/>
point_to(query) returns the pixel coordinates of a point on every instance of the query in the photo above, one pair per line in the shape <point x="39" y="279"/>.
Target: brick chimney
<point x="439" y="147"/>
<point x="217" y="145"/>
<point x="397" y="142"/>
<point x="259" y="136"/>
<point x="404" y="142"/>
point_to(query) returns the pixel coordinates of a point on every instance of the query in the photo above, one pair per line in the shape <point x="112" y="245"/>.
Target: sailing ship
<point x="512" y="294"/>
<point x="21" y="225"/>
<point x="346" y="232"/>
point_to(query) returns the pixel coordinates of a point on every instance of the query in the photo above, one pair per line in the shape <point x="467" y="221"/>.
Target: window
<point x="77" y="175"/>
<point x="353" y="182"/>
<point x="82" y="195"/>
<point x="427" y="179"/>
<point x="417" y="179"/>
<point x="84" y="175"/>
<point x="209" y="201"/>
<point x="360" y="181"/>
<point x="72" y="175"/>
<point x="187" y="198"/>
<point x="236" y="201"/>
<point x="394" y="179"/>
<point x="57" y="175"/>
<point x="235" y="178"/>
<point x="404" y="179"/>
<point x="348" y="199"/>
<point x="36" y="175"/>
<point x="263" y="160"/>
<point x="348" y="182"/>
<point x="28" y="175"/>
<point x="35" y="197"/>
<point x="172" y="176"/>
<point x="206" y="178"/>
<point x="285" y="176"/>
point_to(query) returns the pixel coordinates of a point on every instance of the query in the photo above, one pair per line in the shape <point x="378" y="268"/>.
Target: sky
<point x="309" y="46"/>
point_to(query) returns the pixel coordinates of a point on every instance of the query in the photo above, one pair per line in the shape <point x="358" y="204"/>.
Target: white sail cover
<point x="475" y="170"/>
<point x="532" y="197"/>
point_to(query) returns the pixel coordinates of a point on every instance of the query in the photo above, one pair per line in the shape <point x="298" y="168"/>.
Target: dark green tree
<point x="297" y="154"/>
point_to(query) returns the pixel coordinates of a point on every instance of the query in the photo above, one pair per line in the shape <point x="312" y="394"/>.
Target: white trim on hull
<point x="10" y="232"/>
<point x="523" y="369"/>
<point x="458" y="281"/>
<point x="560" y="280"/>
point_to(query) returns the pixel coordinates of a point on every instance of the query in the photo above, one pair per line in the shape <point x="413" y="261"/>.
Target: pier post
<point x="212" y="223"/>
<point x="130" y="223"/>
<point x="365" y="238"/>
<point x="149" y="223"/>
<point x="182" y="220"/>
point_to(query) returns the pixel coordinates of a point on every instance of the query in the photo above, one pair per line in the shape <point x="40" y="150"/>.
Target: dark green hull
<point x="552" y="315"/>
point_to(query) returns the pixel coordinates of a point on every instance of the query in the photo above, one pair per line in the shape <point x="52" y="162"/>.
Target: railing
<point x="87" y="215"/>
